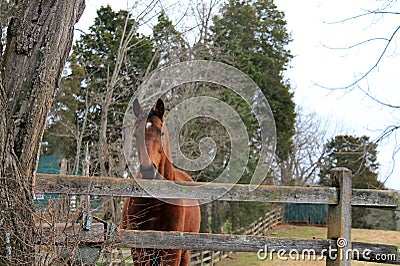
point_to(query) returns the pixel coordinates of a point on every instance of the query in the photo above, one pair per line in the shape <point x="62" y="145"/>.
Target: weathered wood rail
<point x="225" y="242"/>
<point x="106" y="186"/>
<point x="340" y="197"/>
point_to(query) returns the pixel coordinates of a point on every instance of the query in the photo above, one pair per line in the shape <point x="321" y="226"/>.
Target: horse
<point x="181" y="215"/>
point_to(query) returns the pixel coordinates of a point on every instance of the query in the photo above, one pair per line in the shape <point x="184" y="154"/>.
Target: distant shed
<point x="306" y="213"/>
<point x="48" y="164"/>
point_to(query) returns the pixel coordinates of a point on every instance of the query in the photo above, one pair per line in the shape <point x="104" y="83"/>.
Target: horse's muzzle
<point x="148" y="172"/>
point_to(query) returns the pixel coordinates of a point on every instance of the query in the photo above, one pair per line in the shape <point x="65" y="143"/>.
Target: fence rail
<point x="221" y="242"/>
<point x="340" y="197"/>
<point x="107" y="186"/>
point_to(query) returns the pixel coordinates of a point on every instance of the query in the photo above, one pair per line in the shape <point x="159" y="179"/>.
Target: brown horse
<point x="153" y="214"/>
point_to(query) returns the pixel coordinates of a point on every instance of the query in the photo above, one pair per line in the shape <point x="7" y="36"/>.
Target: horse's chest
<point x="149" y="214"/>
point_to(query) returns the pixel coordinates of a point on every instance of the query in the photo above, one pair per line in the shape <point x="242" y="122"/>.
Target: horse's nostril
<point x="148" y="171"/>
<point x="147" y="168"/>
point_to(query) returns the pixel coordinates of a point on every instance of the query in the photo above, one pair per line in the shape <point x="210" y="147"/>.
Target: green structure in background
<point x="306" y="213"/>
<point x="50" y="164"/>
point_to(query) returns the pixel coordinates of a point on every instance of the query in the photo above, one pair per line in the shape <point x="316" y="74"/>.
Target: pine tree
<point x="169" y="43"/>
<point x="359" y="155"/>
<point x="102" y="77"/>
<point x="252" y="36"/>
<point x="106" y="66"/>
<point x="355" y="153"/>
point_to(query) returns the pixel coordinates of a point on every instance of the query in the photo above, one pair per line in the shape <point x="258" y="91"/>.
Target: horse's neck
<point x="167" y="168"/>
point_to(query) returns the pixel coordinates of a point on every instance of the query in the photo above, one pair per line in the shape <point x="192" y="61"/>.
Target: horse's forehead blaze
<point x="147" y="117"/>
<point x="151" y="127"/>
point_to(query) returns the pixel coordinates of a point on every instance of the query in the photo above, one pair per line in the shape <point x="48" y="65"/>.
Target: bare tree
<point x="114" y="80"/>
<point x="39" y="37"/>
<point x="386" y="8"/>
<point x="309" y="141"/>
<point x="203" y="13"/>
<point x="311" y="134"/>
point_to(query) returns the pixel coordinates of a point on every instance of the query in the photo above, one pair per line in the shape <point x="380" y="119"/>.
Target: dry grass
<point x="357" y="235"/>
<point x="250" y="259"/>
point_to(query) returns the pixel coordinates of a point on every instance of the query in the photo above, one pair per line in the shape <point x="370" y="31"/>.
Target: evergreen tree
<point x="106" y="66"/>
<point x="249" y="35"/>
<point x="355" y="153"/>
<point x="252" y="36"/>
<point x="102" y="76"/>
<point x="62" y="132"/>
<point x="359" y="155"/>
<point x="169" y="43"/>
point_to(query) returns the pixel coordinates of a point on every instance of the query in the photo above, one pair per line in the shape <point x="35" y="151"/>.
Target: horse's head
<point x="150" y="132"/>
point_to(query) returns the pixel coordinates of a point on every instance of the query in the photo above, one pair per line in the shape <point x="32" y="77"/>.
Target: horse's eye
<point x="162" y="134"/>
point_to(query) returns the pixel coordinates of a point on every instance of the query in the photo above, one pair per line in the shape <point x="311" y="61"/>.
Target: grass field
<point x="290" y="231"/>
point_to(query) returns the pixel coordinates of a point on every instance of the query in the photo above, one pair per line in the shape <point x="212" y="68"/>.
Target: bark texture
<point x="39" y="38"/>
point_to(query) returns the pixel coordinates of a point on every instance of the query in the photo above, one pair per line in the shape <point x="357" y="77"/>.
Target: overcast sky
<point x="314" y="33"/>
<point x="317" y="65"/>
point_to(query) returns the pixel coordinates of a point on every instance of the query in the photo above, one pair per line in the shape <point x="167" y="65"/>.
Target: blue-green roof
<point x="49" y="164"/>
<point x="306" y="213"/>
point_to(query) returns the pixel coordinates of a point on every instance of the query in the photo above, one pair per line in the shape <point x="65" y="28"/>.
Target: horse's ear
<point x="159" y="109"/>
<point x="137" y="109"/>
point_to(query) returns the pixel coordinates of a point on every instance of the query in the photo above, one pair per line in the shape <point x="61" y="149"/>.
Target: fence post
<point x="339" y="218"/>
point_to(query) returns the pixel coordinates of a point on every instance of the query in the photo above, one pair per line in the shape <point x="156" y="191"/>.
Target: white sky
<point x="350" y="111"/>
<point x="310" y="23"/>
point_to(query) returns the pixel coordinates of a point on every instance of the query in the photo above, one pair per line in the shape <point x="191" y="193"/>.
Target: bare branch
<point x="387" y="132"/>
<point x="368" y="94"/>
<point x="367" y="13"/>
<point x="363" y="76"/>
<point x="357" y="44"/>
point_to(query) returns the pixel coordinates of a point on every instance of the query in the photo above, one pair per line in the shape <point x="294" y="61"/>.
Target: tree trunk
<point x="39" y="38"/>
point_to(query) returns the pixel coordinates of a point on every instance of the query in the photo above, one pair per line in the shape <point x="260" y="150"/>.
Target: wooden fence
<point x="266" y="223"/>
<point x="257" y="228"/>
<point x="340" y="197"/>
